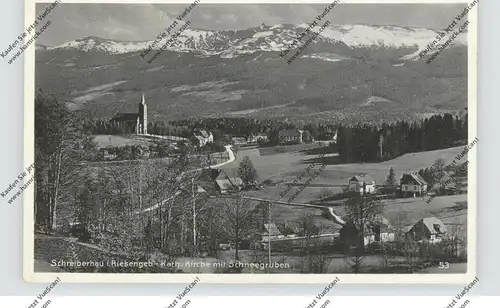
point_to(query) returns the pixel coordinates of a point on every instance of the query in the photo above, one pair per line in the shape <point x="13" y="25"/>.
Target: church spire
<point x="143" y="116"/>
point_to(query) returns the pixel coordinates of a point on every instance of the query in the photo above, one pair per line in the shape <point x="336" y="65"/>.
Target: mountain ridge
<point x="241" y="73"/>
<point x="275" y="38"/>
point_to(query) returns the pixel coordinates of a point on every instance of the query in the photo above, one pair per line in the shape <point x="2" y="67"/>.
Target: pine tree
<point x="246" y="170"/>
<point x="391" y="177"/>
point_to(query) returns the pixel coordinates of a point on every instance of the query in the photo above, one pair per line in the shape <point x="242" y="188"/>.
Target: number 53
<point x="444" y="265"/>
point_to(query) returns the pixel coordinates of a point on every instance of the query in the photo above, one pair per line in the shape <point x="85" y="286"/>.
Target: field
<point x="283" y="149"/>
<point x="119" y="141"/>
<point x="287" y="166"/>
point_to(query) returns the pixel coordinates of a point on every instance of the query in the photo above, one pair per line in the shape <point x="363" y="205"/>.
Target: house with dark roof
<point x="201" y="138"/>
<point x="377" y="230"/>
<point x="136" y="123"/>
<point x="204" y="133"/>
<point x="226" y="184"/>
<point x="413" y="184"/>
<point x="287" y="136"/>
<point x="270" y="232"/>
<point x="197" y="141"/>
<point x="362" y="183"/>
<point x="206" y="180"/>
<point x="430" y="229"/>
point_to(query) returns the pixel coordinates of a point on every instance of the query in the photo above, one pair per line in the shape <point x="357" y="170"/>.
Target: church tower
<point x="143" y="116"/>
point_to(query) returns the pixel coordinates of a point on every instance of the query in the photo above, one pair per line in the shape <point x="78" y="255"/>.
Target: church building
<point x="134" y="122"/>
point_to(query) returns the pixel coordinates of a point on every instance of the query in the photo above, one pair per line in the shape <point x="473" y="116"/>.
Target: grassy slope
<point x="118" y="141"/>
<point x="287" y="166"/>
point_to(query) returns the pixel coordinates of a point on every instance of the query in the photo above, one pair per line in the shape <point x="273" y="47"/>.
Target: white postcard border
<point x="28" y="196"/>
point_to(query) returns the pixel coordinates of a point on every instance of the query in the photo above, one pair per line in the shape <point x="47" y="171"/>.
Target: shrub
<point x="325" y="193"/>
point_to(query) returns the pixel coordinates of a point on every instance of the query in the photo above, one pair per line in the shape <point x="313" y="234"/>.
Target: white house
<point x="202" y="138"/>
<point x="226" y="184"/>
<point x="364" y="184"/>
<point x="271" y="233"/>
<point x="335" y="137"/>
<point x="254" y="138"/>
<point x="430" y="229"/>
<point x="287" y="136"/>
<point x="378" y="230"/>
<point x="413" y="184"/>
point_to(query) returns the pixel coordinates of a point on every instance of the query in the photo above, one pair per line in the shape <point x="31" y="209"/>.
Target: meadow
<point x="287" y="166"/>
<point x="119" y="141"/>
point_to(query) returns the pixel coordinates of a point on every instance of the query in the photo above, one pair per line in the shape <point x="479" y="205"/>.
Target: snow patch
<point x="372" y="100"/>
<point x="325" y="56"/>
<point x="263" y="34"/>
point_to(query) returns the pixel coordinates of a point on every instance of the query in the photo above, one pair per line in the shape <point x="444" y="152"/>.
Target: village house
<point x="412" y="184"/>
<point x="329" y="135"/>
<point x="134" y="122"/>
<point x="226" y="184"/>
<point x="255" y="138"/>
<point x="270" y="232"/>
<point x="201" y="138"/>
<point x="197" y="141"/>
<point x="239" y="140"/>
<point x="364" y="184"/>
<point x="429" y="229"/>
<point x="377" y="230"/>
<point x="335" y="137"/>
<point x="287" y="136"/>
<point x="142" y="151"/>
<point x="107" y="154"/>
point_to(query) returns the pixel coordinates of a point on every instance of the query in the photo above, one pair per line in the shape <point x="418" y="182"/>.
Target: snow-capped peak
<point x="229" y="43"/>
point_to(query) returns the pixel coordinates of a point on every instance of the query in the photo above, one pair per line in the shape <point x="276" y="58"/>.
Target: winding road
<point x="336" y="218"/>
<point x="231" y="159"/>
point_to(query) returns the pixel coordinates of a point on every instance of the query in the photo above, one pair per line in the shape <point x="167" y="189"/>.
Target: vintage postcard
<point x="249" y="142"/>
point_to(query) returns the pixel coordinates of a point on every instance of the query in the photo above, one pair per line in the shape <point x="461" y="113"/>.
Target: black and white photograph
<point x="249" y="142"/>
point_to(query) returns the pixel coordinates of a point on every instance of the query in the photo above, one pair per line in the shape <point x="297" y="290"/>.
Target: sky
<point x="139" y="22"/>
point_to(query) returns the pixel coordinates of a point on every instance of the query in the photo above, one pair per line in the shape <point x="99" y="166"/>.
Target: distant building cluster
<point x="430" y="229"/>
<point x="411" y="184"/>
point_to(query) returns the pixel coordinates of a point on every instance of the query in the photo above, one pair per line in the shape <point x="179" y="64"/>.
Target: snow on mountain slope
<point x="325" y="56"/>
<point x="461" y="39"/>
<point x="231" y="43"/>
<point x="41" y="47"/>
<point x="361" y="35"/>
<point x="92" y="43"/>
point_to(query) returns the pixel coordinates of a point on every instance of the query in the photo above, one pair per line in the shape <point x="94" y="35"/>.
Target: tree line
<point x="368" y="143"/>
<point x="98" y="126"/>
<point x="220" y="127"/>
<point x="355" y="143"/>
